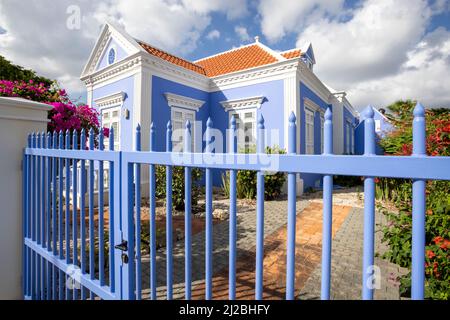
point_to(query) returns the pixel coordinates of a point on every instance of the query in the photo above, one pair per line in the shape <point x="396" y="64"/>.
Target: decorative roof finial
<point x="257" y="39"/>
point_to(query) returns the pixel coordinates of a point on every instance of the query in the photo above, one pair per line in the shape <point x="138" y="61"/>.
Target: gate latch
<point x="123" y="246"/>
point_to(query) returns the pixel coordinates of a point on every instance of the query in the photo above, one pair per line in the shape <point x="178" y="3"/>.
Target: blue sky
<point x="376" y="50"/>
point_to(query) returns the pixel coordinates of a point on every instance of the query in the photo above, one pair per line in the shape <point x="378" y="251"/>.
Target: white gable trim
<point x="243" y="103"/>
<point x="175" y="100"/>
<point x="110" y="100"/>
<point x="120" y="36"/>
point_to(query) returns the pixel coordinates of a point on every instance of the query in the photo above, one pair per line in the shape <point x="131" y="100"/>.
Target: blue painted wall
<point x="272" y="110"/>
<point x="161" y="113"/>
<point x="120" y="54"/>
<point x="310" y="180"/>
<point x="126" y="85"/>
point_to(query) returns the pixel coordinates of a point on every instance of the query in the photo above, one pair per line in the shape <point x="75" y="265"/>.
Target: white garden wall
<point x="18" y="117"/>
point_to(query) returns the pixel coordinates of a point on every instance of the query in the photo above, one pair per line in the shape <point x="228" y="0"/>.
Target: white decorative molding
<point x="175" y="100"/>
<point x="273" y="71"/>
<point x="310" y="79"/>
<point x="311" y="105"/>
<point x="249" y="102"/>
<point x="291" y="95"/>
<point x="110" y="100"/>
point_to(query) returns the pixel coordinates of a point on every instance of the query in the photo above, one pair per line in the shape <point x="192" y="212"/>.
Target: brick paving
<point x="346" y="256"/>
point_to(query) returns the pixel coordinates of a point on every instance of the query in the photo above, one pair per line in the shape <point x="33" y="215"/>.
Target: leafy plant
<point x="177" y="185"/>
<point x="398" y="232"/>
<point x="246" y="180"/>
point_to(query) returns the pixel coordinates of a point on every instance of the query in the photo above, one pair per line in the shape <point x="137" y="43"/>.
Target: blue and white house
<point x="131" y="82"/>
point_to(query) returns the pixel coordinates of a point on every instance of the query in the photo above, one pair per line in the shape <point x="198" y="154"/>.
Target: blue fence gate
<point x="82" y="246"/>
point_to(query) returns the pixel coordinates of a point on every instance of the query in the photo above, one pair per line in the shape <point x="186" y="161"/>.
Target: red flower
<point x="430" y="254"/>
<point x="438" y="240"/>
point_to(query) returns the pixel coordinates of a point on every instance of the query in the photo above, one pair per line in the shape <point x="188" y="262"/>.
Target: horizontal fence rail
<point x="44" y="209"/>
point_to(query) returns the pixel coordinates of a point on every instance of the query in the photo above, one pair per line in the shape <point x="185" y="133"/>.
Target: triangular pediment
<point x="111" y="36"/>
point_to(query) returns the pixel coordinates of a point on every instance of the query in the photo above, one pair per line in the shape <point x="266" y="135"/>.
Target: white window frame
<point x="348" y="137"/>
<point x="309" y="138"/>
<point x="322" y="132"/>
<point x="110" y="111"/>
<point x="241" y="113"/>
<point x="179" y="145"/>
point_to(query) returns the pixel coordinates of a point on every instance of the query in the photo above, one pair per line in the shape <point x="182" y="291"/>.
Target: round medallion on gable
<point x="111" y="56"/>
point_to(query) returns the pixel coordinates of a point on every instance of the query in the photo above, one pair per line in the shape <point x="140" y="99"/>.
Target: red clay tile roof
<point x="246" y="57"/>
<point x="295" y="53"/>
<point x="235" y="60"/>
<point x="171" y="58"/>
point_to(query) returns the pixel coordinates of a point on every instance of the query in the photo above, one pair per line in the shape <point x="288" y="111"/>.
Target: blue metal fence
<point x="50" y="267"/>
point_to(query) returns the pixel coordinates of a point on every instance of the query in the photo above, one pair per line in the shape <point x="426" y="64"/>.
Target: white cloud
<point x="242" y="33"/>
<point x="281" y="17"/>
<point x="232" y="8"/>
<point x="368" y="55"/>
<point x="213" y="34"/>
<point x="423" y="76"/>
<point x="37" y="37"/>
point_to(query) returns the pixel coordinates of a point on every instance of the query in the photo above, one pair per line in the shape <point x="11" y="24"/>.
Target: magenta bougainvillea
<point x="32" y="91"/>
<point x="65" y="115"/>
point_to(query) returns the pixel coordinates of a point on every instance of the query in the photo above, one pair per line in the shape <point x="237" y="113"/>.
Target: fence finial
<point x="29" y="137"/>
<point x="49" y="140"/>
<point x="101" y="138"/>
<point x="138" y="137"/>
<point x="55" y="139"/>
<point x="292" y="118"/>
<point x="419" y="110"/>
<point x="169" y="136"/>
<point x="38" y="139"/>
<point x="91" y="139"/>
<point x="75" y="140"/>
<point x="61" y="140"/>
<point x="152" y="137"/>
<point x="233" y="122"/>
<point x="260" y="121"/>
<point x="111" y="138"/>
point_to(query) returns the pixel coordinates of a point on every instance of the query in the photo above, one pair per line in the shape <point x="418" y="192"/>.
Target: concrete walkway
<point x="346" y="256"/>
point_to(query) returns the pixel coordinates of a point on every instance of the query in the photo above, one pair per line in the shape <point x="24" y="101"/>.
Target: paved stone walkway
<point x="346" y="256"/>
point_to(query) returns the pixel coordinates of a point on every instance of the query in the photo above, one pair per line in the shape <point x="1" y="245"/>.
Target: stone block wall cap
<point x="24" y="103"/>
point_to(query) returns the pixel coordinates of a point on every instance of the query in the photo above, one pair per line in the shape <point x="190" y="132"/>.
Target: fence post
<point x="369" y="209"/>
<point x="101" y="225"/>
<point x="327" y="223"/>
<point x="233" y="225"/>
<point x="418" y="208"/>
<point x="187" y="214"/>
<point x="259" y="214"/>
<point x="209" y="225"/>
<point x="137" y="203"/>
<point x="152" y="204"/>
<point x="292" y="204"/>
<point x="83" y="211"/>
<point x="169" y="243"/>
<point x="74" y="209"/>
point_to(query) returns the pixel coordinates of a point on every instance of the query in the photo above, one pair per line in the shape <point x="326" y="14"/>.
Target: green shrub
<point x="177" y="185"/>
<point x="397" y="233"/>
<point x="246" y="180"/>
